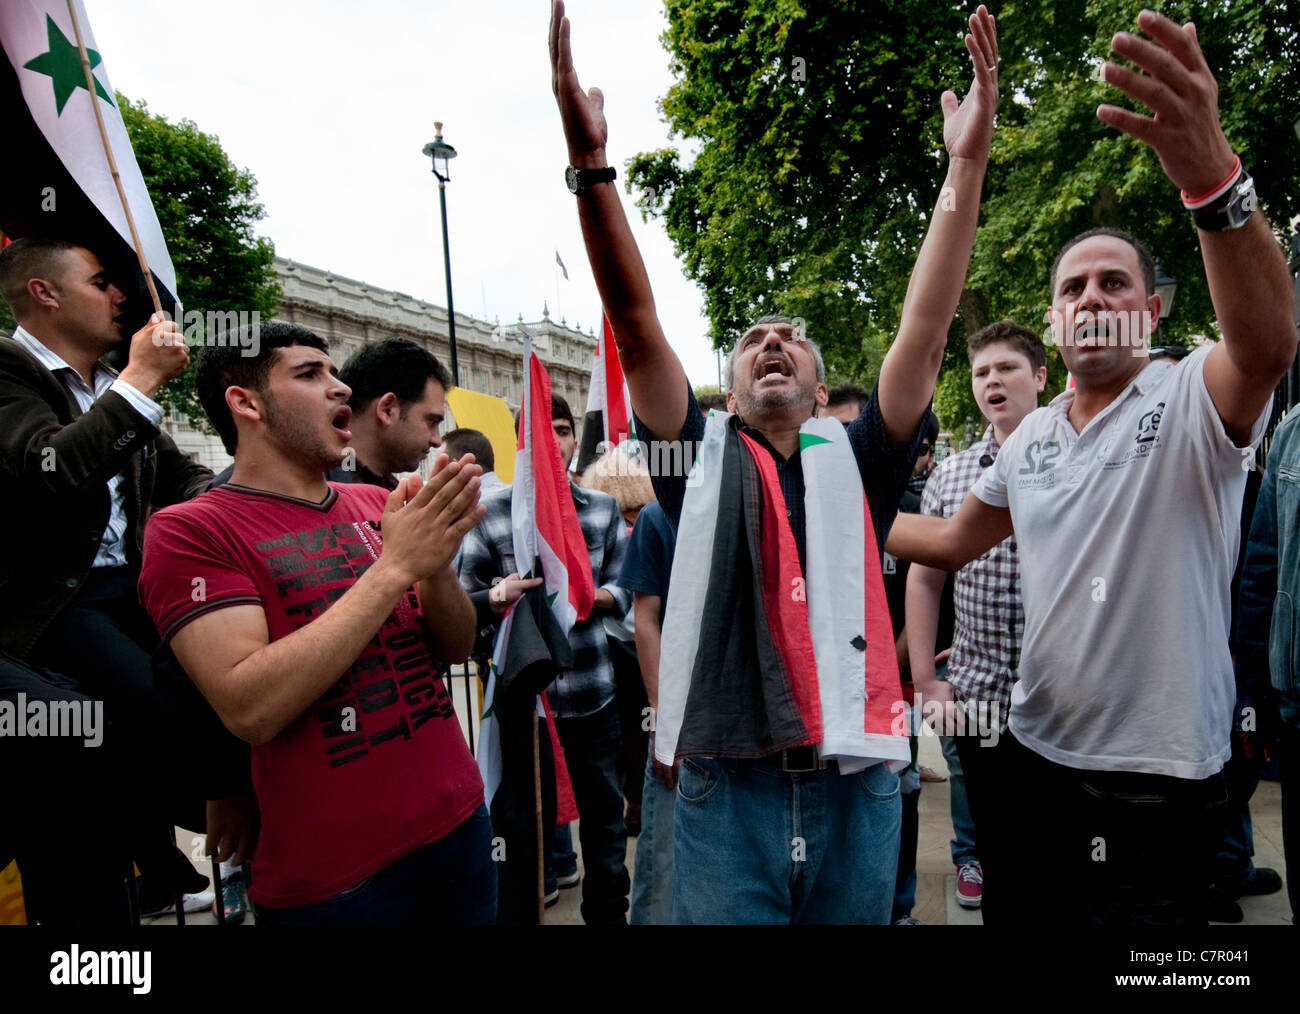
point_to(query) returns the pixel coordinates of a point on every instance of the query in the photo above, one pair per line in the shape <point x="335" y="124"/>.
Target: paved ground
<point x="936" y="879"/>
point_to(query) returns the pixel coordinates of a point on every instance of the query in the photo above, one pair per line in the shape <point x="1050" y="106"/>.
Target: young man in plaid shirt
<point x="1008" y="372"/>
<point x="582" y="699"/>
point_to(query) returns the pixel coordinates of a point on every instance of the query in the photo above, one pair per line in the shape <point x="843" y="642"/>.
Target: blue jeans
<point x="652" y="880"/>
<point x="449" y="882"/>
<point x="754" y="844"/>
<point x="962" y="844"/>
<point x="561" y="860"/>
<point x="1234" y="867"/>
<point x="593" y="752"/>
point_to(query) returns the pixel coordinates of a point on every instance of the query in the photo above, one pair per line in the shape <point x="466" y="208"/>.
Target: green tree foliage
<point x="207" y="206"/>
<point x="812" y="158"/>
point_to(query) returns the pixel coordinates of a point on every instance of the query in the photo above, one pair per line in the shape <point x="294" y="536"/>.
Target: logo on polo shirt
<point x="1149" y="424"/>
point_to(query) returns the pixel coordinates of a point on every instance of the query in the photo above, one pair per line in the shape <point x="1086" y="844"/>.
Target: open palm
<point x="968" y="125"/>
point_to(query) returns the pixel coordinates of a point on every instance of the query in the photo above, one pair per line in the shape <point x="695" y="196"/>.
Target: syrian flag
<point x="547" y="536"/>
<point x="58" y="181"/>
<point x="609" y="408"/>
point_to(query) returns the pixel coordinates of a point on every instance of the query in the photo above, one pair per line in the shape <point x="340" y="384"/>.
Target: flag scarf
<point x="763" y="657"/>
<point x="58" y="180"/>
<point x="609" y="408"/>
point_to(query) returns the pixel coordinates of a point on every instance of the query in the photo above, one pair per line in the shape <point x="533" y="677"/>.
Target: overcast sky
<point x="329" y="103"/>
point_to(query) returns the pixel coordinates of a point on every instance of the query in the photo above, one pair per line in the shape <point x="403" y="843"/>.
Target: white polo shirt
<point x="1128" y="535"/>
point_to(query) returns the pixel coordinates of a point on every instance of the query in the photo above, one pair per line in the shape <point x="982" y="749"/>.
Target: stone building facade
<point x="348" y="314"/>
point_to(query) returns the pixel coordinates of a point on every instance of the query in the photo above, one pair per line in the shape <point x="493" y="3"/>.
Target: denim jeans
<point x="1234" y="866"/>
<point x="652" y="880"/>
<point x="593" y="752"/>
<point x="905" y="881"/>
<point x="1289" y="756"/>
<point x="962" y="844"/>
<point x="449" y="882"/>
<point x="754" y="844"/>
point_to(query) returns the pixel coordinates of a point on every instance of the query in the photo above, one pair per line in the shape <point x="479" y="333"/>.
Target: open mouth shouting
<point x="340" y="422"/>
<point x="772" y="366"/>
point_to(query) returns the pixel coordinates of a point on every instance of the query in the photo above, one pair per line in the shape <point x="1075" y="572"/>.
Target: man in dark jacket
<point x="82" y="461"/>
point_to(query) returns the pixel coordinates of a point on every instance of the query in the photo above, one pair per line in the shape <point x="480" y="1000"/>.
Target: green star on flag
<point x="62" y="64"/>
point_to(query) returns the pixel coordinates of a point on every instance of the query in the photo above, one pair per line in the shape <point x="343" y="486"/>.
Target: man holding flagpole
<point x="778" y="669"/>
<point x="579" y="538"/>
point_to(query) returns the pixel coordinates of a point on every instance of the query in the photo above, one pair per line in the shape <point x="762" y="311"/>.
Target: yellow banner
<point x="12" y="912"/>
<point x="491" y="416"/>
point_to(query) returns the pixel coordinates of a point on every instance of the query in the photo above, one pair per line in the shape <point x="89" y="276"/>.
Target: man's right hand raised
<point x="583" y="113"/>
<point x="158" y="354"/>
<point x="424" y="522"/>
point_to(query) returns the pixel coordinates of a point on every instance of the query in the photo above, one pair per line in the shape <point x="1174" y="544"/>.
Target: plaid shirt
<point x="488" y="552"/>
<point x="990" y="619"/>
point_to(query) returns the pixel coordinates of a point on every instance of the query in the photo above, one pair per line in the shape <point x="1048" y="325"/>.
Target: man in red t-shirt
<point x="312" y="616"/>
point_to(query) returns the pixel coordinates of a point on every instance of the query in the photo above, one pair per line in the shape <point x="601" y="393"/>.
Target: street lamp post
<point x="1165" y="288"/>
<point x="439" y="149"/>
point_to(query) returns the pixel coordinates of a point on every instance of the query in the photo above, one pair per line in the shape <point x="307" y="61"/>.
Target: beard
<point x="752" y="406"/>
<point x="299" y="440"/>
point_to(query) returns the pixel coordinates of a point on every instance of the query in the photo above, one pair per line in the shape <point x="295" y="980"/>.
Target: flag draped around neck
<point x="766" y="656"/>
<point x="58" y="181"/>
<point x="609" y="408"/>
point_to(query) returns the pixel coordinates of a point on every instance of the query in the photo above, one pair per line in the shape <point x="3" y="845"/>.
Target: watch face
<point x="571" y="180"/>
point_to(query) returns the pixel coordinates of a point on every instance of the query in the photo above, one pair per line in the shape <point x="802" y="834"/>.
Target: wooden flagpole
<point x="537" y="809"/>
<point x="112" y="162"/>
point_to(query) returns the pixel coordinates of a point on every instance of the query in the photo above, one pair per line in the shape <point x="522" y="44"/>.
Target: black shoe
<point x="1221" y="908"/>
<point x="1265" y="881"/>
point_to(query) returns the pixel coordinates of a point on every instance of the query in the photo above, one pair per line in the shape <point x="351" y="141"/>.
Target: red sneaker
<point x="970" y="885"/>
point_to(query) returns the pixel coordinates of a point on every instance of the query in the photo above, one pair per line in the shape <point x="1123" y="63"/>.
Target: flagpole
<point x="537" y="809"/>
<point x="112" y="162"/>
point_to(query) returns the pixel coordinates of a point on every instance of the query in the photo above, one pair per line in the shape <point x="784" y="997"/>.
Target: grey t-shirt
<point x="1128" y="535"/>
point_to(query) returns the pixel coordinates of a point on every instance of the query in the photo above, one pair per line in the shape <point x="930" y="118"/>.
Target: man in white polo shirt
<point x="1125" y="495"/>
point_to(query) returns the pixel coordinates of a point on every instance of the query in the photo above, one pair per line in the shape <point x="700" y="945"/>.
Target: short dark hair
<point x="220" y="366"/>
<point x="1010" y="333"/>
<point x="1145" y="260"/>
<point x="845" y="394"/>
<point x="930" y="427"/>
<point x="705" y="402"/>
<point x="460" y="442"/>
<point x="28" y="258"/>
<point x="559" y="410"/>
<point x="395" y="365"/>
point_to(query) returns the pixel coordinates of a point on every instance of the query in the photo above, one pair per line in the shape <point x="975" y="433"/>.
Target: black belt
<point x="796" y="760"/>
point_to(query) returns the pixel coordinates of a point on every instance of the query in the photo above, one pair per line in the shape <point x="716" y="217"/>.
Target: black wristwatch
<point x="579" y="181"/>
<point x="1230" y="211"/>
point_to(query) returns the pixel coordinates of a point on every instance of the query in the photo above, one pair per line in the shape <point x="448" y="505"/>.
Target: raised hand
<point x="1180" y="90"/>
<point x="158" y="354"/>
<point x="968" y="125"/>
<point x="583" y="113"/>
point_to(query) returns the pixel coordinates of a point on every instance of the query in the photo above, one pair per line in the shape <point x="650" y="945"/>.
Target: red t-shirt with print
<point x="378" y="766"/>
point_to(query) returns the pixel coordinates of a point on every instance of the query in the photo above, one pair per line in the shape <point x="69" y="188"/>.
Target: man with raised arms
<point x="1125" y="494"/>
<point x="778" y="669"/>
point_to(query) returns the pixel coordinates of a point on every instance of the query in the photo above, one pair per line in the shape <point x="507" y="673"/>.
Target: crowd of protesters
<point x="1076" y="602"/>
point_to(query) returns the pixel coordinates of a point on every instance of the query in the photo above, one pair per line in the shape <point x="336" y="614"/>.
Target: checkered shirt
<point x="990" y="618"/>
<point x="488" y="552"/>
